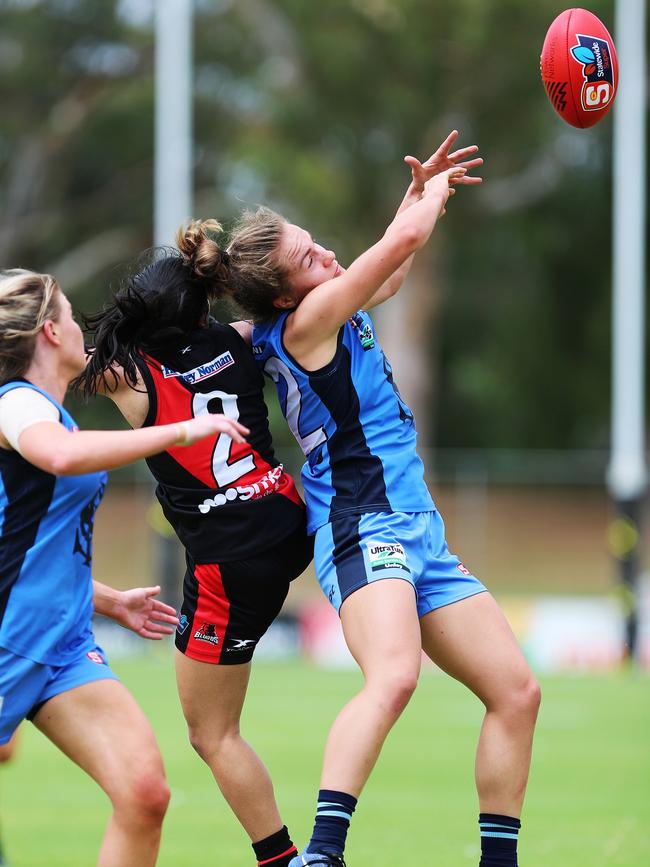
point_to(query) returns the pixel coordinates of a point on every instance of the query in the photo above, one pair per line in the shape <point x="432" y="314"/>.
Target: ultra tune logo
<point x="595" y="57"/>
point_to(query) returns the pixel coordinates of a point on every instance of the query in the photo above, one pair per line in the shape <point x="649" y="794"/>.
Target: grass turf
<point x="588" y="802"/>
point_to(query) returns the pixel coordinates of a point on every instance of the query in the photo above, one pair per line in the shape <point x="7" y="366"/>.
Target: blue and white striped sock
<point x="333" y="815"/>
<point x="499" y="835"/>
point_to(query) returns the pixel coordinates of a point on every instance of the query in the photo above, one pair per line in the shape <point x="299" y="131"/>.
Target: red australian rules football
<point x="579" y="67"/>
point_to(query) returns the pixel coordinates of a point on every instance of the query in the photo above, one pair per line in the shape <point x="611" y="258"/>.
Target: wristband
<point x="182" y="433"/>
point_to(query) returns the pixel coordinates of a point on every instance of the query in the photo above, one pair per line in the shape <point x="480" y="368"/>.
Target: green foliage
<point x="310" y="107"/>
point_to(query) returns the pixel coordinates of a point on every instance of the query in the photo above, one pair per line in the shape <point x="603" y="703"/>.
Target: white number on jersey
<point x="276" y="368"/>
<point x="225" y="473"/>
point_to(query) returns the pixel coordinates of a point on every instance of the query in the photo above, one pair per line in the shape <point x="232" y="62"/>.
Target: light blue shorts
<point x="356" y="550"/>
<point x="26" y="685"/>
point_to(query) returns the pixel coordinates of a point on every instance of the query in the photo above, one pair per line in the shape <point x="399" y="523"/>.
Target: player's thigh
<point x="472" y="641"/>
<point x="101" y="727"/>
<point x="366" y="565"/>
<point x="381" y="628"/>
<point x="212" y="695"/>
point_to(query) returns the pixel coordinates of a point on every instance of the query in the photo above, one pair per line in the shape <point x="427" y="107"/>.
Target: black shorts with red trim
<point x="227" y="607"/>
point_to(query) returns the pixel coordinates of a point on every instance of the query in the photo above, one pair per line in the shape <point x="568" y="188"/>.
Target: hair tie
<point x="225" y="258"/>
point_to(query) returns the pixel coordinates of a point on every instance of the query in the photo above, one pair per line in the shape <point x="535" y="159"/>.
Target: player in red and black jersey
<point x="161" y="358"/>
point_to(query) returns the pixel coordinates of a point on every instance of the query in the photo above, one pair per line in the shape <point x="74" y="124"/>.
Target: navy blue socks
<point x="333" y="815"/>
<point x="499" y="836"/>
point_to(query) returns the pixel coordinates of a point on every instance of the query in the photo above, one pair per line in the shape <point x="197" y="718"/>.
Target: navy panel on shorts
<point x="411" y="547"/>
<point x="347" y="555"/>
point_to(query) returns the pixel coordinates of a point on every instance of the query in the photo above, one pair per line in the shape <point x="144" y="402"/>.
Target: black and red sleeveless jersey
<point x="226" y="501"/>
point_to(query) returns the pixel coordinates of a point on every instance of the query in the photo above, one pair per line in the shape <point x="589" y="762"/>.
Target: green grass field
<point x="588" y="801"/>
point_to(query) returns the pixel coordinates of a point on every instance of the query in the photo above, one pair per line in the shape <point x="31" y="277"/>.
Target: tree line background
<point x="501" y="336"/>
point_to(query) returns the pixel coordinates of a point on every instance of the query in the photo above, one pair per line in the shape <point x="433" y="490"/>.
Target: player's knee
<point x="198" y="742"/>
<point x="525" y="698"/>
<point x="142" y="801"/>
<point x="396" y="689"/>
<point x="209" y="743"/>
<point x="533" y="696"/>
<point x="149" y="797"/>
<point x="157" y="801"/>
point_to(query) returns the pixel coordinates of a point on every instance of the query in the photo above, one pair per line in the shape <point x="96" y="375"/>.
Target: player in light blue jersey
<point x="380" y="550"/>
<point x="52" y="478"/>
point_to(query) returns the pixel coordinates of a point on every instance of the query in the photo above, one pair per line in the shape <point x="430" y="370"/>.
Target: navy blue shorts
<point x="359" y="549"/>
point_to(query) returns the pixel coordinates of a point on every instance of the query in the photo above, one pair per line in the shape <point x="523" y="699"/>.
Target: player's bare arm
<point x="51" y="447"/>
<point x="130" y="398"/>
<point x="438" y="162"/>
<point x="312" y="328"/>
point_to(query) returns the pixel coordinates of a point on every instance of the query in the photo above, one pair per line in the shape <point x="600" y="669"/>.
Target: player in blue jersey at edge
<point x="52" y="478"/>
<point x="371" y="512"/>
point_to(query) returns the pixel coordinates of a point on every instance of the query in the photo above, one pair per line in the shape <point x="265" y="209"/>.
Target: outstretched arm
<point x="52" y="448"/>
<point x="136" y="609"/>
<point x="311" y="329"/>
<point x="440" y="160"/>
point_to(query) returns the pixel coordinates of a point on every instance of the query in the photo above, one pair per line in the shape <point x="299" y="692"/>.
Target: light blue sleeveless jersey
<point x="46" y="525"/>
<point x="356" y="432"/>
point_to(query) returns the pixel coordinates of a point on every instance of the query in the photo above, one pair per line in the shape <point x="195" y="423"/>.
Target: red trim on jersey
<point x="174" y="405"/>
<point x="211" y="617"/>
<point x="208" y="460"/>
<point x="287" y="487"/>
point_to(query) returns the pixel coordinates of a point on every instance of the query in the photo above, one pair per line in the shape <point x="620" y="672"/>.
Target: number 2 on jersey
<point x="276" y="368"/>
<point x="225" y="473"/>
